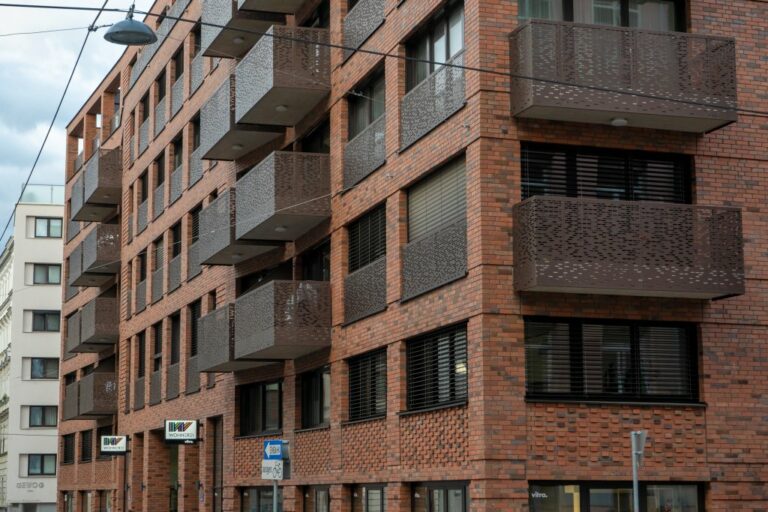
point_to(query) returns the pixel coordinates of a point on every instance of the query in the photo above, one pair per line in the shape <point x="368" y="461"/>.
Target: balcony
<point x="93" y="396"/>
<point x="71" y="395"/>
<point x="141" y="296"/>
<point x="139" y="393"/>
<point x="283" y="77"/>
<point x="172" y="382"/>
<point x="362" y="21"/>
<point x="283" y="320"/>
<point x="284" y="6"/>
<point x="239" y="24"/>
<point x="366" y="152"/>
<point x="222" y="138"/>
<point x="97" y="259"/>
<point x="194" y="267"/>
<point x="95" y="327"/>
<point x="155" y="387"/>
<point x="365" y="291"/>
<point x="434" y="260"/>
<point x="97" y="191"/>
<point x="217" y="343"/>
<point x="598" y="246"/>
<point x="195" y="167"/>
<point x="283" y="197"/>
<point x="657" y="79"/>
<point x="217" y="244"/>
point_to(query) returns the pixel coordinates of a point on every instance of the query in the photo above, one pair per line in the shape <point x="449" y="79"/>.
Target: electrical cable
<point x="36" y="32"/>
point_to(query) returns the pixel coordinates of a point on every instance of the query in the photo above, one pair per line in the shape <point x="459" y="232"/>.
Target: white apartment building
<point x="30" y="321"/>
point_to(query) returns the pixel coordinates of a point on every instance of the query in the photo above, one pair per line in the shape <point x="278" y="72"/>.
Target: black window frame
<point x="48" y="222"/>
<point x="367" y="394"/>
<point x="47" y="267"/>
<point x="176" y="239"/>
<point x="258" y="489"/>
<point x="68" y="449"/>
<point x="162" y="85"/>
<point x="175" y="348"/>
<point x="43" y="457"/>
<point x="157" y="346"/>
<point x="195" y="313"/>
<point x="178" y="63"/>
<point x="178" y="152"/>
<point x="364" y="489"/>
<point x="43" y="409"/>
<point x="316" y="262"/>
<point x="256" y="425"/>
<point x="313" y="395"/>
<point x="427" y="36"/>
<point x="681" y="24"/>
<point x="46" y="317"/>
<point x="361" y="102"/>
<point x="141" y="353"/>
<point x="141" y="260"/>
<point x="46" y="361"/>
<point x="444" y="486"/>
<point x="578" y="371"/>
<point x="368" y="238"/>
<point x="86" y="446"/>
<point x="104" y="430"/>
<point x="586" y="485"/>
<point x="423" y="382"/>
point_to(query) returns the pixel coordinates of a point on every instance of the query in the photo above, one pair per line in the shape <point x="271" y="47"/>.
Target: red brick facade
<point x="498" y="442"/>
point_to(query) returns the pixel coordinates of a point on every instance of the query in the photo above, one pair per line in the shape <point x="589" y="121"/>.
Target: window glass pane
<point x="40" y="274"/>
<point x="418" y="69"/>
<point x="439" y="43"/>
<point x="456" y="31"/>
<point x="35" y="416"/>
<point x="51" y="368"/>
<point x="610" y="500"/>
<point x="555" y="498"/>
<point x="541" y="9"/>
<point x="54" y="274"/>
<point x="52" y="322"/>
<point x="599" y="12"/>
<point x="378" y="98"/>
<point x="358" y="115"/>
<point x="49" y="464"/>
<point x="326" y="396"/>
<point x="672" y="498"/>
<point x="547" y="357"/>
<point x="665" y="361"/>
<point x="51" y="416"/>
<point x="321" y="501"/>
<point x="34" y="465"/>
<point x="437" y="500"/>
<point x="374" y="500"/>
<point x="608" y="359"/>
<point x="38" y="321"/>
<point x="272" y="406"/>
<point x="41" y="227"/>
<point x="437" y="201"/>
<point x="653" y="14"/>
<point x="55" y="228"/>
<point x="455" y="500"/>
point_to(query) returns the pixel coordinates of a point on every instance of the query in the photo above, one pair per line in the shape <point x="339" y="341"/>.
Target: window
<point x="316" y="499"/>
<point x="368" y="238"/>
<point x="663" y="15"/>
<point x="573" y="171"/>
<point x="195" y="310"/>
<point x="368" y="385"/>
<point x="178" y="152"/>
<point x="160" y="171"/>
<point x="46" y="321"/>
<point x="46" y="227"/>
<point x="178" y="64"/>
<point x="316" y="263"/>
<point x="599" y="497"/>
<point x="437" y="368"/>
<point x="43" y="273"/>
<point x="161" y="87"/>
<point x="440" y="42"/>
<point x="368" y="498"/>
<point x="44" y="368"/>
<point x="143" y="188"/>
<point x="259" y="499"/>
<point x="437" y="201"/>
<point x="318" y="140"/>
<point x="68" y="449"/>
<point x="260" y="408"/>
<point x="440" y="497"/>
<point x="157" y="353"/>
<point x="321" y="17"/>
<point x="175" y="338"/>
<point x="176" y="240"/>
<point x="197" y="36"/>
<point x="106" y="430"/>
<point x="610" y="360"/>
<point x="195" y="133"/>
<point x="141" y="262"/>
<point x="141" y="354"/>
<point x="86" y="445"/>
<point x="366" y="105"/>
<point x="43" y="415"/>
<point x="316" y="398"/>
<point x="41" y="464"/>
<point x="159" y="253"/>
<point x="145" y="108"/>
<point x="195" y="217"/>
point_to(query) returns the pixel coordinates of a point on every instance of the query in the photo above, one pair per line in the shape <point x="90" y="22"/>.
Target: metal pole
<point x="274" y="495"/>
<point x="635" y="464"/>
<point x="125" y="475"/>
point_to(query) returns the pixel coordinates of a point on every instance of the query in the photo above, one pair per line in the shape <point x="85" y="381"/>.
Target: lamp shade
<point x="130" y="32"/>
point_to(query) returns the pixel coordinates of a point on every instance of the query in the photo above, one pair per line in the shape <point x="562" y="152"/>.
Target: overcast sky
<point x="33" y="72"/>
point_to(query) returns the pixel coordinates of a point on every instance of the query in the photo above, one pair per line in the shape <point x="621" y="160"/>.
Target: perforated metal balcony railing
<point x="365" y="291"/>
<point x="594" y="74"/>
<point x="177" y="95"/>
<point x="176" y="184"/>
<point x="362" y="21"/>
<point x="96" y="193"/>
<point x="97" y="259"/>
<point x="366" y="152"/>
<point x="607" y="247"/>
<point x="160" y="116"/>
<point x="217" y="343"/>
<point x="98" y="395"/>
<point x="229" y="29"/>
<point x="95" y="327"/>
<point x="196" y="73"/>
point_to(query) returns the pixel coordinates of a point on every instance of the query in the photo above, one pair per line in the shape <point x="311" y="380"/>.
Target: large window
<point x="437" y="201"/>
<point x="43" y="415"/>
<point x="366" y="104"/>
<point x="574" y="171"/>
<point x="665" y="15"/>
<point x="86" y="445"/>
<point x="368" y="238"/>
<point x="259" y="499"/>
<point x="68" y="449"/>
<point x="41" y="464"/>
<point x="47" y="227"/>
<point x="602" y="497"/>
<point x="439" y="42"/>
<point x="261" y="408"/>
<point x="368" y="385"/>
<point x="437" y="368"/>
<point x="369" y="498"/>
<point x="43" y="273"/>
<point x="44" y="368"/>
<point x="46" y="321"/>
<point x="316" y="398"/>
<point x="610" y="360"/>
<point x="440" y="497"/>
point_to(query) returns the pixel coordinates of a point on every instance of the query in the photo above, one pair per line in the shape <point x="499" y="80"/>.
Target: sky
<point x="33" y="72"/>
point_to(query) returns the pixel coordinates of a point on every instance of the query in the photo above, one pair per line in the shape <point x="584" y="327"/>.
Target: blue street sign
<point x="273" y="449"/>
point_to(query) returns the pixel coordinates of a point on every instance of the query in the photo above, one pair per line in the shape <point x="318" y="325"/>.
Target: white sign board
<point x="272" y="469"/>
<point x="181" y="431"/>
<point x="114" y="444"/>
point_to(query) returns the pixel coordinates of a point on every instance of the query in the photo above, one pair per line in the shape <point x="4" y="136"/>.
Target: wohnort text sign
<point x="114" y="444"/>
<point x="181" y="431"/>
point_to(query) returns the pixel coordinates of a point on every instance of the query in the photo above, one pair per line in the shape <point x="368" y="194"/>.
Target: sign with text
<point x="273" y="449"/>
<point x="181" y="431"/>
<point x="114" y="444"/>
<point x="272" y="469"/>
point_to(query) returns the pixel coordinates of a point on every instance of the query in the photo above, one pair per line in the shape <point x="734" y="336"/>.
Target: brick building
<point x="446" y="288"/>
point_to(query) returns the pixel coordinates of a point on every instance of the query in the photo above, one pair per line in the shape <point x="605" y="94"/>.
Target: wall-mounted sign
<point x="114" y="444"/>
<point x="181" y="431"/>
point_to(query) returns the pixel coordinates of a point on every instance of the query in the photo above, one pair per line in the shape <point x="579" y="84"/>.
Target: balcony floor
<point x="241" y="140"/>
<point x="239" y="252"/>
<point x="299" y="101"/>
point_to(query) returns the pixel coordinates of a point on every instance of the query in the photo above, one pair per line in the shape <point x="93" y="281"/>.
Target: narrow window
<point x="175" y="338"/>
<point x="316" y="263"/>
<point x="437" y="201"/>
<point x="161" y="87"/>
<point x="368" y="385"/>
<point x="316" y="398"/>
<point x="157" y="355"/>
<point x="178" y="64"/>
<point x="68" y="449"/>
<point x="86" y="445"/>
<point x="441" y="41"/>
<point x="437" y="368"/>
<point x="260" y="408"/>
<point x="178" y="153"/>
<point x="194" y="315"/>
<point x="195" y="133"/>
<point x="366" y="104"/>
<point x="160" y="171"/>
<point x="368" y="238"/>
<point x="141" y="261"/>
<point x="176" y="239"/>
<point x="141" y="354"/>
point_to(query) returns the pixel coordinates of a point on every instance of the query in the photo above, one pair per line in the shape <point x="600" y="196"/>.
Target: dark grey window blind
<point x="142" y="353"/>
<point x="86" y="445"/>
<point x="68" y="449"/>
<point x="437" y="368"/>
<point x="576" y="171"/>
<point x="437" y="201"/>
<point x="175" y="338"/>
<point x="368" y="385"/>
<point x="368" y="238"/>
<point x="195" y="214"/>
<point x="194" y="312"/>
<point x="610" y="360"/>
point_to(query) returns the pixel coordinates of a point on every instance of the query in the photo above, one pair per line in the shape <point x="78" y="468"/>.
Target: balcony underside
<point x="95" y="212"/>
<point x="294" y="103"/>
<point x="284" y="227"/>
<point x="242" y="31"/>
<point x="92" y="279"/>
<point x="242" y="139"/>
<point x="230" y="365"/>
<point x="283" y="6"/>
<point x="239" y="251"/>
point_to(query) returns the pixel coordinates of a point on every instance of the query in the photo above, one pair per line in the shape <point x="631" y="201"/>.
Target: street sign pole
<point x="638" y="446"/>
<point x="274" y="495"/>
